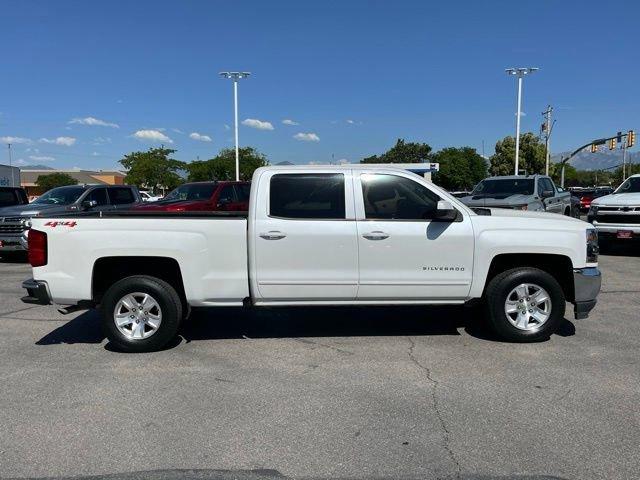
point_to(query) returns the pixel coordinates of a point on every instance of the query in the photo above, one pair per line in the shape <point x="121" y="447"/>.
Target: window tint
<point x="8" y="197"/>
<point x="227" y="195"/>
<point x="99" y="195"/>
<point x="307" y="195"/>
<point x="121" y="196"/>
<point x="390" y="197"/>
<point x="242" y="192"/>
<point x="546" y="184"/>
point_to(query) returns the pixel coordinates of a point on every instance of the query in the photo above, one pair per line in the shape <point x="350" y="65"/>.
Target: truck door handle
<point x="272" y="235"/>
<point x="377" y="235"/>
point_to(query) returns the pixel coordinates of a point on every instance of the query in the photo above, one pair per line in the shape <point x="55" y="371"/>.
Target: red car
<point x="203" y="196"/>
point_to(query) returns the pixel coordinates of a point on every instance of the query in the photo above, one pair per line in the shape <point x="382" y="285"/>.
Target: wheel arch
<point x="558" y="266"/>
<point x="109" y="270"/>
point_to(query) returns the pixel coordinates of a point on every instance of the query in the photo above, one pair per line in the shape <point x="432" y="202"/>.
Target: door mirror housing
<point x="445" y="212"/>
<point x="546" y="193"/>
<point x="87" y="204"/>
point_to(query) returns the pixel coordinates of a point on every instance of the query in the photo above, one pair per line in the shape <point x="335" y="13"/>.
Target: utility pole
<point x="624" y="159"/>
<point x="547" y="127"/>
<point x="13" y="177"/>
<point x="235" y="76"/>
<point x="520" y="73"/>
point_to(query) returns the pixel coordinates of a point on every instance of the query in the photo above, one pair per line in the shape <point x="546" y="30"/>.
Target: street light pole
<point x="520" y="73"/>
<point x="235" y="76"/>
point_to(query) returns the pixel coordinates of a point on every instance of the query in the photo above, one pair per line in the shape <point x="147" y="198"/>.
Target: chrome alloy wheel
<point x="137" y="315"/>
<point x="528" y="306"/>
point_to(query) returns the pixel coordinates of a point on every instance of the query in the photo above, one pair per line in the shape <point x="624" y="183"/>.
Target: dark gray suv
<point x="74" y="198"/>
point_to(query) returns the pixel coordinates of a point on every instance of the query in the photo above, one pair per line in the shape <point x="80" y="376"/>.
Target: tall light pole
<point x="520" y="73"/>
<point x="235" y="76"/>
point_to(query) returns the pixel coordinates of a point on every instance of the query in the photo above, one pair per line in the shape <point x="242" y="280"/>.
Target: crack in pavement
<point x="2" y="314"/>
<point x="434" y="399"/>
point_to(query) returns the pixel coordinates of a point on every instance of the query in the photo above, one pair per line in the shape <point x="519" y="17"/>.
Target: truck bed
<point x="210" y="249"/>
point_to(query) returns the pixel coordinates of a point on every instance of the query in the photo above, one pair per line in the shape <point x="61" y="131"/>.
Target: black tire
<point x="166" y="297"/>
<point x="567" y="211"/>
<point x="496" y="295"/>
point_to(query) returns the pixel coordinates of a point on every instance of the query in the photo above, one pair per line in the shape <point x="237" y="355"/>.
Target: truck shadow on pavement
<point x="286" y="322"/>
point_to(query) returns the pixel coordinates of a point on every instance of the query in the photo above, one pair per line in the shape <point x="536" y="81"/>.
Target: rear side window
<point x="121" y="196"/>
<point x="307" y="195"/>
<point x="243" y="192"/>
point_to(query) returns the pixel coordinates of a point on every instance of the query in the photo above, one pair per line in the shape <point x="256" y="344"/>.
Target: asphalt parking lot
<point x="324" y="393"/>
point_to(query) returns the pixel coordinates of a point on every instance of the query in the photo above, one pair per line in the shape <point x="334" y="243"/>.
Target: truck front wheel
<point x="141" y="314"/>
<point x="524" y="304"/>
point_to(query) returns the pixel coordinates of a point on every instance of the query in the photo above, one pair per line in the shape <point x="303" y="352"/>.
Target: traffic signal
<point x="612" y="144"/>
<point x="631" y="139"/>
<point x="594" y="148"/>
<point x="619" y="137"/>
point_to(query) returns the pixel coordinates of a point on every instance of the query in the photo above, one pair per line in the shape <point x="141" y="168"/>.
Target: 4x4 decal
<point x="62" y="224"/>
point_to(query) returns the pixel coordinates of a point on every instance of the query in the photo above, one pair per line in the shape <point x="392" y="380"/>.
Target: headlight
<point x="592" y="245"/>
<point x="593" y="209"/>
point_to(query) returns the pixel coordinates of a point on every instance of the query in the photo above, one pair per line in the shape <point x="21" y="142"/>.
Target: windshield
<point x="513" y="186"/>
<point x="60" y="196"/>
<point x="631" y="185"/>
<point x="195" y="191"/>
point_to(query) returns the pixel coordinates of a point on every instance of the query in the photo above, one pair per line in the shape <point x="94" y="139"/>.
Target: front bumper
<point x="586" y="283"/>
<point x="37" y="292"/>
<point x="613" y="228"/>
<point x="13" y="243"/>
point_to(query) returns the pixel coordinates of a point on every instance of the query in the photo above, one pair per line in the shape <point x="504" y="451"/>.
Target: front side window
<point x="8" y="197"/>
<point x="227" y="195"/>
<point x="99" y="195"/>
<point x="191" y="191"/>
<point x="307" y="195"/>
<point x="390" y="197"/>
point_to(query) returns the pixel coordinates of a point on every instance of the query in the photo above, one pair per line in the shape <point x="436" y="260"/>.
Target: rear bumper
<point x="37" y="292"/>
<point x="586" y="283"/>
<point x="13" y="243"/>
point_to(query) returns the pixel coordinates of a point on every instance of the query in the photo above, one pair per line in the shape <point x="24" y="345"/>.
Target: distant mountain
<point x="284" y="163"/>
<point x="36" y="167"/>
<point x="597" y="161"/>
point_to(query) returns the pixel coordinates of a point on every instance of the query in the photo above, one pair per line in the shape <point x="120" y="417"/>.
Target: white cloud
<point x="15" y="140"/>
<point x="307" y="137"/>
<point x="287" y="121"/>
<point x="95" y="154"/>
<point x="177" y="130"/>
<point x="351" y="122"/>
<point x="94" y="122"/>
<point x="66" y="141"/>
<point x="227" y="127"/>
<point x="199" y="137"/>
<point x="41" y="158"/>
<point x="259" y="124"/>
<point x="152" y="136"/>
<point x="343" y="161"/>
<point x="21" y="162"/>
<point x="101" y="140"/>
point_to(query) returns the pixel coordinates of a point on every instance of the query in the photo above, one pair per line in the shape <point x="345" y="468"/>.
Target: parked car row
<point x="16" y="212"/>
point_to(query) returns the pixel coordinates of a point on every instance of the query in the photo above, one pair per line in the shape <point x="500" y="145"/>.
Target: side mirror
<point x="445" y="212"/>
<point x="546" y="193"/>
<point x="87" y="204"/>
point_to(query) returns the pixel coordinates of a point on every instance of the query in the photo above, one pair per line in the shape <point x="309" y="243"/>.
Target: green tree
<point x="403" y="152"/>
<point x="460" y="168"/>
<point x="153" y="169"/>
<point x="223" y="165"/>
<point x="532" y="155"/>
<point x="53" y="180"/>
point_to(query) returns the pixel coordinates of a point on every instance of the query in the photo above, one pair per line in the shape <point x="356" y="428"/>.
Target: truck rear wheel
<point x="524" y="304"/>
<point x="141" y="314"/>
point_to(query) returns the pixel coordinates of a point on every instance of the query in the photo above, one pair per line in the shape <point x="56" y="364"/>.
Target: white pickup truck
<point x="316" y="235"/>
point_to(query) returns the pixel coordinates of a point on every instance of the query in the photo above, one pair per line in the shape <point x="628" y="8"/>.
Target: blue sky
<point x="355" y="74"/>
